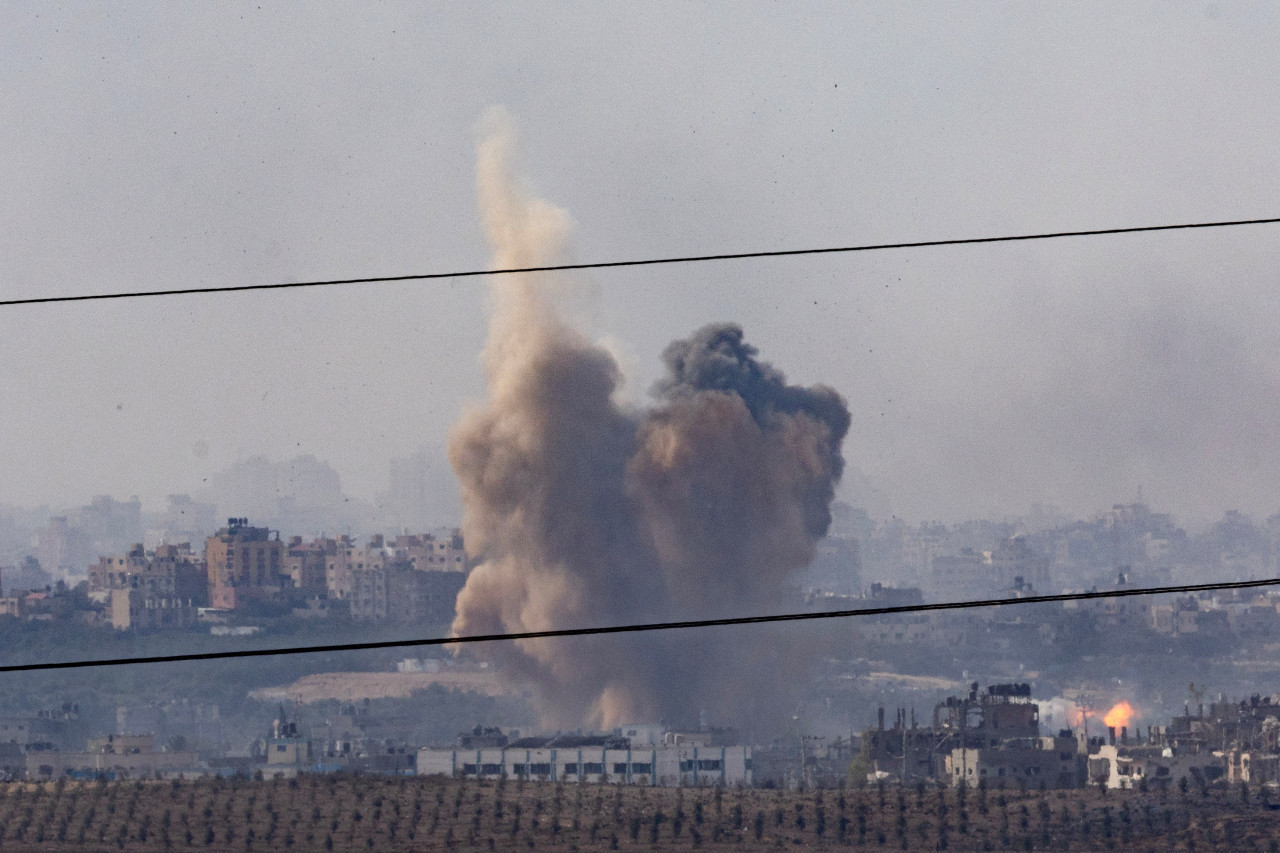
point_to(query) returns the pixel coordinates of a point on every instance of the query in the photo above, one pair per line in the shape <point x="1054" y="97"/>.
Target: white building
<point x="576" y="758"/>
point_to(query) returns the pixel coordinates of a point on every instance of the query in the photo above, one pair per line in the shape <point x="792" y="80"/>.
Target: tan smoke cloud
<point x="583" y="513"/>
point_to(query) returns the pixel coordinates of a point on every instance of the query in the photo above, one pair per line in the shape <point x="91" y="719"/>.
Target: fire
<point x="1119" y="715"/>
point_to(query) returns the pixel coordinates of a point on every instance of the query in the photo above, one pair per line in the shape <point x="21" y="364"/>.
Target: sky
<point x="153" y="146"/>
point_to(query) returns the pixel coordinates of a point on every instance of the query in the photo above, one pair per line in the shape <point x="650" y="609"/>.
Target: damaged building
<point x="994" y="737"/>
<point x="1231" y="741"/>
<point x="991" y="736"/>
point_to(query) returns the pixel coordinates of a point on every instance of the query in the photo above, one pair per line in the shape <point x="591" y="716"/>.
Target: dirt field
<point x="409" y="813"/>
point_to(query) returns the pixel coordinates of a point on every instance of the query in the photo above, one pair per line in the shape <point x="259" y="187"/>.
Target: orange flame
<point x="1119" y="715"/>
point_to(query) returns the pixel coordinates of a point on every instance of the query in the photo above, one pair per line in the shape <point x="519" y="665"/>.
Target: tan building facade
<point x="169" y="572"/>
<point x="134" y="610"/>
<point x="245" y="564"/>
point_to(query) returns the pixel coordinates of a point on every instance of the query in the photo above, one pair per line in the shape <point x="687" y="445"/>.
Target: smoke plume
<point x="584" y="512"/>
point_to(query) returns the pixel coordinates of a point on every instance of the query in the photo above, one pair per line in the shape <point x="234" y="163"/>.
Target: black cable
<point x="651" y="626"/>
<point x="185" y="291"/>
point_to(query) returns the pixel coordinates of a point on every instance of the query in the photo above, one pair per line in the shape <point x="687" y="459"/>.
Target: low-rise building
<point x="134" y="610"/>
<point x="594" y="759"/>
<point x="169" y="572"/>
<point x="305" y="563"/>
<point x="1054" y="762"/>
<point x="245" y="564"/>
<point x="114" y="755"/>
<point x="58" y="728"/>
<point x="285" y="748"/>
<point x="1121" y="766"/>
<point x="415" y="578"/>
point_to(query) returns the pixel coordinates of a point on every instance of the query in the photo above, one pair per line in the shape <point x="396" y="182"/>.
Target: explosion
<point x="1119" y="716"/>
<point x="583" y="512"/>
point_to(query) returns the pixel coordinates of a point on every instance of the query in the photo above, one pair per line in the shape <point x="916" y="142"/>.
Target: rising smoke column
<point x="584" y="513"/>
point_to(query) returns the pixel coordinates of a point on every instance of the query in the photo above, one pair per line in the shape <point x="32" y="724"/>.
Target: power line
<point x="782" y="253"/>
<point x="649" y="626"/>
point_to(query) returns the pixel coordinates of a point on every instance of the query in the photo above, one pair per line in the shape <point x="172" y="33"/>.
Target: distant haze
<point x="165" y="145"/>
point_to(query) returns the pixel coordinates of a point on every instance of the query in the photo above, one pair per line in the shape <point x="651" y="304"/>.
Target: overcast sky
<point x="150" y="146"/>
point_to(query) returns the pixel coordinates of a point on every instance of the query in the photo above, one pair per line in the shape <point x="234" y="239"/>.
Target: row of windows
<point x="589" y="768"/>
<point x="702" y="764"/>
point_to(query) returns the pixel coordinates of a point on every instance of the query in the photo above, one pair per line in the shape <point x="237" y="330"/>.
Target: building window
<point x="592" y="768"/>
<point x="641" y="767"/>
<point x="620" y="768"/>
<point x="571" y="768"/>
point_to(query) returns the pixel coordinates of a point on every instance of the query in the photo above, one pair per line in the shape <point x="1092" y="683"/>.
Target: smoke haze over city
<point x="981" y="379"/>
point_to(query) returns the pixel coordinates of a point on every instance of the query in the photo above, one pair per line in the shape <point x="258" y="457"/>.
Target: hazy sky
<point x="153" y="146"/>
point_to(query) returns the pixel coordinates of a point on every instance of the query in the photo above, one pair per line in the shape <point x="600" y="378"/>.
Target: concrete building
<point x="992" y="735"/>
<point x="168" y="572"/>
<point x="1054" y="761"/>
<point x="305" y="564"/>
<point x="368" y="596"/>
<point x="414" y="595"/>
<point x="1252" y="767"/>
<point x="245" y="564"/>
<point x="439" y="551"/>
<point x="594" y="759"/>
<point x="134" y="610"/>
<point x="113" y="755"/>
<point x="342" y="563"/>
<point x="285" y="748"/>
<point x="1129" y="766"/>
<point x="413" y="578"/>
<point x="984" y="719"/>
<point x="54" y="729"/>
<point x="1014" y="558"/>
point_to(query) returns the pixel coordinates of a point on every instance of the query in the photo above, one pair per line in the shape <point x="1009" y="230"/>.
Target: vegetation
<point x="347" y="813"/>
<point x="100" y="691"/>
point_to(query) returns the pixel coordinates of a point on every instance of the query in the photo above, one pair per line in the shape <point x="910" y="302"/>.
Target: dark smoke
<point x="584" y="513"/>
